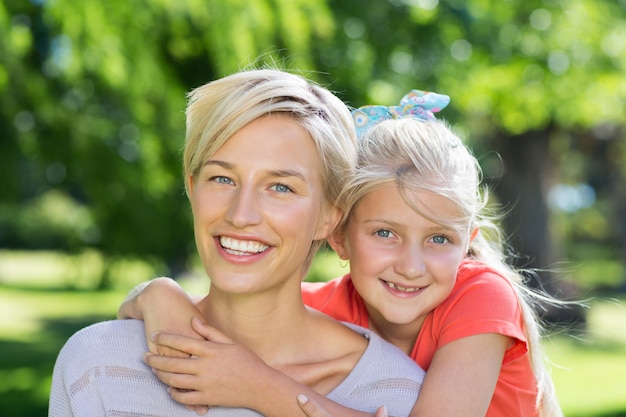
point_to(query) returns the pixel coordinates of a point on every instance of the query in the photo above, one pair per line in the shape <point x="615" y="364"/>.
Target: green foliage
<point x="97" y="95"/>
<point x="326" y="266"/>
<point x="56" y="220"/>
<point x="573" y="367"/>
<point x="92" y="97"/>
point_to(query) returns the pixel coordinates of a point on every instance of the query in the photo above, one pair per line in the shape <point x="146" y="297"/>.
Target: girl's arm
<point x="462" y="377"/>
<point x="459" y="382"/>
<point x="163" y="305"/>
<point x="222" y="373"/>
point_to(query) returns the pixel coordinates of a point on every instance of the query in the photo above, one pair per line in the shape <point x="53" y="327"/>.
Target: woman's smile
<point x="252" y="219"/>
<point x="241" y="247"/>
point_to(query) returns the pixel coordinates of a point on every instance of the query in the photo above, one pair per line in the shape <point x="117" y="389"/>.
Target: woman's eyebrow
<point x="281" y="173"/>
<point x="222" y="164"/>
<point x="287" y="173"/>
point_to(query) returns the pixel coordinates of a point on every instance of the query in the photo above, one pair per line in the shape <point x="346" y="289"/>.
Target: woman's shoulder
<point x="95" y="332"/>
<point x="384" y="355"/>
<point x="100" y="369"/>
<point x="113" y="340"/>
<point x="383" y="375"/>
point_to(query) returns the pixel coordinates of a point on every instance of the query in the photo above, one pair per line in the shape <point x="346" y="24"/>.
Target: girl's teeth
<point x="403" y="289"/>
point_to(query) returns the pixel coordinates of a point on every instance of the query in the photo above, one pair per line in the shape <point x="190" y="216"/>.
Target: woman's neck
<point x="305" y="344"/>
<point x="267" y="324"/>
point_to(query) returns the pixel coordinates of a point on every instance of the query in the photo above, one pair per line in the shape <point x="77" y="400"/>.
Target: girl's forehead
<point x="393" y="199"/>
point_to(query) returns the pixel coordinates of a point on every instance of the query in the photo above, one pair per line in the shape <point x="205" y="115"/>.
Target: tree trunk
<point x="522" y="190"/>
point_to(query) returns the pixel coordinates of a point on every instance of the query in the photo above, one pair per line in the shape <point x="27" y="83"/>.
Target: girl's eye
<point x="281" y="188"/>
<point x="440" y="239"/>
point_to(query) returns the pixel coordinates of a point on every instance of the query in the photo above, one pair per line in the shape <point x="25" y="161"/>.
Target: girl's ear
<point x="474" y="234"/>
<point x="336" y="241"/>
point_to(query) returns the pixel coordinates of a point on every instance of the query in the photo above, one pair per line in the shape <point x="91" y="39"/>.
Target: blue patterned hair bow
<point x="416" y="104"/>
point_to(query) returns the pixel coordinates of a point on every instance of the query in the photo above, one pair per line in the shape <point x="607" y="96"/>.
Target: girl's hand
<point x="218" y="372"/>
<point x="222" y="373"/>
<point x="314" y="409"/>
<point x="163" y="306"/>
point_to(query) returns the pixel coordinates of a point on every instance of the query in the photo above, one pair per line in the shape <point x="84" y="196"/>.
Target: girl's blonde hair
<point x="427" y="155"/>
<point x="220" y="108"/>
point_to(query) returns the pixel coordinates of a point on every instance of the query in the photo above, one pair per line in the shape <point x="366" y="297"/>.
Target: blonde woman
<point x="266" y="154"/>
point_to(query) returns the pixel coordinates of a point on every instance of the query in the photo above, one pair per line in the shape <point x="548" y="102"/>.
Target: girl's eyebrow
<point x="379" y="221"/>
<point x="443" y="229"/>
<point x="431" y="229"/>
<point x="281" y="173"/>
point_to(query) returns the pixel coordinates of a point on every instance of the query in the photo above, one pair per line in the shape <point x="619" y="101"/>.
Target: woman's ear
<point x="190" y="185"/>
<point x="328" y="224"/>
<point x="336" y="241"/>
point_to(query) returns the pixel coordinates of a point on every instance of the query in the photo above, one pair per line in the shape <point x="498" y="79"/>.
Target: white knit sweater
<point x="100" y="372"/>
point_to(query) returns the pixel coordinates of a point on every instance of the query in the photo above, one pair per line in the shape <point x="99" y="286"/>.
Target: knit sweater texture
<point x="100" y="372"/>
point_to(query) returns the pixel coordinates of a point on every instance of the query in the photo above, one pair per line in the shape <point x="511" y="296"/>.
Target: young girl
<point x="428" y="274"/>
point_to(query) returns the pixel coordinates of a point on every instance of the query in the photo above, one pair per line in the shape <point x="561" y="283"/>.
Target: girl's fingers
<point x="186" y="366"/>
<point x="208" y="332"/>
<point x="177" y="381"/>
<point x="201" y="409"/>
<point x="177" y="342"/>
<point x="381" y="412"/>
<point x="311" y="407"/>
<point x="187" y="397"/>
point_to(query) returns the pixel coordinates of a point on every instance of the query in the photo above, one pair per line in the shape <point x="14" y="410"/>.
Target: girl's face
<point x="257" y="206"/>
<point x="402" y="264"/>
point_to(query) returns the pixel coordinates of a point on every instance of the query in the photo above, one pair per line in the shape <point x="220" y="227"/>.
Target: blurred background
<point x="92" y="97"/>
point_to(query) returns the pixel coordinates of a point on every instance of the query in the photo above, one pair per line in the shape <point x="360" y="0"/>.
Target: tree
<point x="525" y="81"/>
<point x="96" y="93"/>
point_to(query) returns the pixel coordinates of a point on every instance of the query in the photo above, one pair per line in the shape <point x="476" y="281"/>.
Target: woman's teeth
<point x="241" y="247"/>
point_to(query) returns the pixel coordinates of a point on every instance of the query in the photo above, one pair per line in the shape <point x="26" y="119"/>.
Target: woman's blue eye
<point x="222" y="180"/>
<point x="281" y="188"/>
<point x="383" y="233"/>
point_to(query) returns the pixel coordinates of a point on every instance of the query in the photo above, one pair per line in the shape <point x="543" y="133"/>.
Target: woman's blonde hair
<point x="220" y="108"/>
<point x="427" y="155"/>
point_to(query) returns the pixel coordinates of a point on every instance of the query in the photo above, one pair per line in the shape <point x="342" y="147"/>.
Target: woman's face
<point x="257" y="205"/>
<point x="402" y="264"/>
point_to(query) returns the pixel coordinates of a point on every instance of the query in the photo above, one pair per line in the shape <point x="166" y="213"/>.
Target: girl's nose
<point x="410" y="262"/>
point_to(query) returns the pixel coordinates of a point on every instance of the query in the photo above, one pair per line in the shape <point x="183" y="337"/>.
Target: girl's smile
<point x="401" y="289"/>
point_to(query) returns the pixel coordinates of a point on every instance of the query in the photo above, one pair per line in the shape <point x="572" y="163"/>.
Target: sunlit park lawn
<point x="38" y="313"/>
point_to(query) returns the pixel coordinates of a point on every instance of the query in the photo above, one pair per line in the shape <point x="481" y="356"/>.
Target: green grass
<point x="588" y="371"/>
<point x="38" y="313"/>
<point x="34" y="324"/>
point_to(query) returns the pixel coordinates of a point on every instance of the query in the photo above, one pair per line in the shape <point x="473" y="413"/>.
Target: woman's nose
<point x="245" y="208"/>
